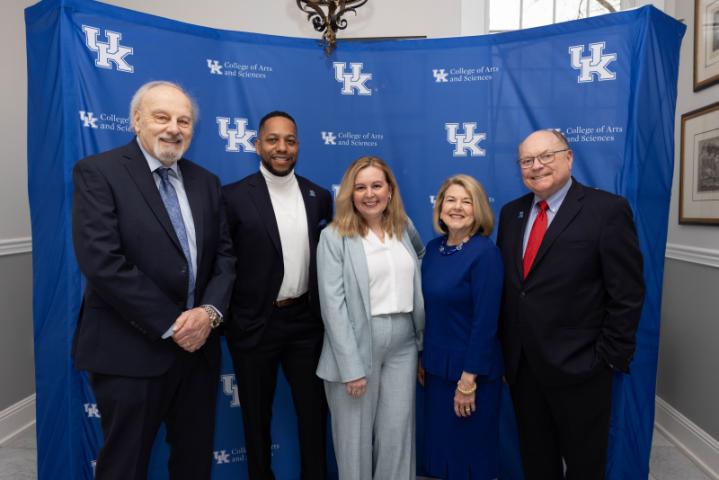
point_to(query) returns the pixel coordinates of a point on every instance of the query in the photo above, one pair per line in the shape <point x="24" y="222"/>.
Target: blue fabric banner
<point x="431" y="108"/>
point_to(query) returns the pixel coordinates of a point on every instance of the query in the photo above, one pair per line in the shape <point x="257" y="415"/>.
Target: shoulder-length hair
<point x="483" y="216"/>
<point x="348" y="222"/>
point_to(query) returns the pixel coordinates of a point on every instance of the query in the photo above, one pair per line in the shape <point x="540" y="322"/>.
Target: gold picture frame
<point x="699" y="166"/>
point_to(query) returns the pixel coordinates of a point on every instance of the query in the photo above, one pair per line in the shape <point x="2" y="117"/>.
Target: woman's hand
<point x="357" y="388"/>
<point x="464" y="404"/>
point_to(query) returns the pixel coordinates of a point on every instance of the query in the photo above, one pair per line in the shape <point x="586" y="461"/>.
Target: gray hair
<point x="140" y="94"/>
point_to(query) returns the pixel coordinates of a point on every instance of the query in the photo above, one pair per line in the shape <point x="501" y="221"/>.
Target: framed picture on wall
<point x="706" y="43"/>
<point x="699" y="167"/>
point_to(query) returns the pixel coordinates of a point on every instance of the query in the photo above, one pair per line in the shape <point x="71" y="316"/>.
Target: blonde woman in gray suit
<point x="371" y="298"/>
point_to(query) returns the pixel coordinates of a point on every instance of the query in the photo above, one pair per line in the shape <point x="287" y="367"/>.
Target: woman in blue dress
<point x="461" y="365"/>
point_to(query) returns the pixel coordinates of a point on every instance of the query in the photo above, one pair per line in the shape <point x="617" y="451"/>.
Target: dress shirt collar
<point x="555" y="200"/>
<point x="154" y="163"/>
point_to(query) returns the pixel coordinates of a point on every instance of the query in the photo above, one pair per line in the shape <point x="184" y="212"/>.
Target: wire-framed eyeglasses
<point x="543" y="158"/>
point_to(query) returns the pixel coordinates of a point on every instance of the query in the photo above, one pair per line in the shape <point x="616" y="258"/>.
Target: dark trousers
<point x="568" y="422"/>
<point x="132" y="410"/>
<point x="292" y="339"/>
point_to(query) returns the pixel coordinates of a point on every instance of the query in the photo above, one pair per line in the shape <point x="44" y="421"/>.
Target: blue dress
<point x="462" y="293"/>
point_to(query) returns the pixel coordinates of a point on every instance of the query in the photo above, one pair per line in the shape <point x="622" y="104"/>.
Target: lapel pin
<point x="520" y="215"/>
<point x="312" y="193"/>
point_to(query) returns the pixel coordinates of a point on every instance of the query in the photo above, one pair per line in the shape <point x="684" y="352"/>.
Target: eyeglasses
<point x="543" y="158"/>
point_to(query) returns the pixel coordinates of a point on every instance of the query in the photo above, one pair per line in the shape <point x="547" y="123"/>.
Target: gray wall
<point x="375" y="19"/>
<point x="688" y="355"/>
<point x="17" y="369"/>
<point x="17" y="372"/>
<point x="14" y="216"/>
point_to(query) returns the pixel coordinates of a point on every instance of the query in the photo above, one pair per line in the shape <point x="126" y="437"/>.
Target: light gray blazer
<point x="343" y="278"/>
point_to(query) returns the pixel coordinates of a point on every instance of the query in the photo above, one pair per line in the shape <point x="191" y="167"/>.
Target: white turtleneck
<point x="291" y="216"/>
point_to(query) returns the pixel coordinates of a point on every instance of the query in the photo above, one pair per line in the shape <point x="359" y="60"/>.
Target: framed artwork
<point x="699" y="166"/>
<point x="706" y="43"/>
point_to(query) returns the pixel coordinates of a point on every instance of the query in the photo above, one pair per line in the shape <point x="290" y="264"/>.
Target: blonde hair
<point x="348" y="222"/>
<point x="483" y="216"/>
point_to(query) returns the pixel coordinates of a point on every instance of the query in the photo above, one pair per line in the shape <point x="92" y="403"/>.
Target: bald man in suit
<point x="572" y="299"/>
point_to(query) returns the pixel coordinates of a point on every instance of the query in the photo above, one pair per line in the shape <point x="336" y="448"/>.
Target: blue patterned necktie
<point x="172" y="204"/>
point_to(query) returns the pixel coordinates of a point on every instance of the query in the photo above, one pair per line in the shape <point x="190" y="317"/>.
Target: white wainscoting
<point x="693" y="442"/>
<point x="701" y="256"/>
<point x="17" y="418"/>
<point x="13" y="246"/>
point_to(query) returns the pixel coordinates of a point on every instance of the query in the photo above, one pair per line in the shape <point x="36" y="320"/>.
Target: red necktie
<point x="535" y="236"/>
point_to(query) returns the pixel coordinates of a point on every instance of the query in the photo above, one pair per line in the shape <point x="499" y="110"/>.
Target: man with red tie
<point x="573" y="295"/>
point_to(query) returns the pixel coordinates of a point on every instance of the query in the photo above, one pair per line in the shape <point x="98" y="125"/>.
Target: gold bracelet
<point x="469" y="391"/>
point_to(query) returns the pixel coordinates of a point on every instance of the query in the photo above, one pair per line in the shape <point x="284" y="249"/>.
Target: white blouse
<point x="391" y="275"/>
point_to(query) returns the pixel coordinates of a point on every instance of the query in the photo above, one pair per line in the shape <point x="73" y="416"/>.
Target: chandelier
<point x="326" y="17"/>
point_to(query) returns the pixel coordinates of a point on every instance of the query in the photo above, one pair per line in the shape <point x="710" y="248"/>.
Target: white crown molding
<point x="13" y="246"/>
<point x="693" y="442"/>
<point x="702" y="256"/>
<point x="17" y="418"/>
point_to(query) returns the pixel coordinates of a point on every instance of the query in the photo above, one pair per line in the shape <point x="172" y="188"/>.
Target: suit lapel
<point x="260" y="196"/>
<point x="142" y="176"/>
<point x="309" y="197"/>
<point x="359" y="265"/>
<point x="569" y="209"/>
<point x="195" y="197"/>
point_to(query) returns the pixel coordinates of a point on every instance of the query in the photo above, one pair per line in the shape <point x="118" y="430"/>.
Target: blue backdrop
<point x="431" y="108"/>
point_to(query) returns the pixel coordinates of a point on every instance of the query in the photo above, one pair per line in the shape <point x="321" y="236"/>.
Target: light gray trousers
<point x="373" y="435"/>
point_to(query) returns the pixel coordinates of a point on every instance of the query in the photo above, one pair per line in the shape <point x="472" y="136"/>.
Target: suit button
<point x="183" y="270"/>
<point x="523" y="294"/>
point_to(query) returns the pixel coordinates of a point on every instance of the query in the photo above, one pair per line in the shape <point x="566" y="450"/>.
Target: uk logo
<point x="238" y="138"/>
<point x="214" y="66"/>
<point x="91" y="410"/>
<point x="89" y="120"/>
<point x="440" y="76"/>
<point x="593" y="66"/>
<point x="108" y="52"/>
<point x="467" y="142"/>
<point x="221" y="457"/>
<point x="354" y="81"/>
<point x="329" y="138"/>
<point x="229" y="388"/>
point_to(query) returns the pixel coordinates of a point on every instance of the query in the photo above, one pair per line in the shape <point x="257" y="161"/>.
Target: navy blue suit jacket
<point x="136" y="272"/>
